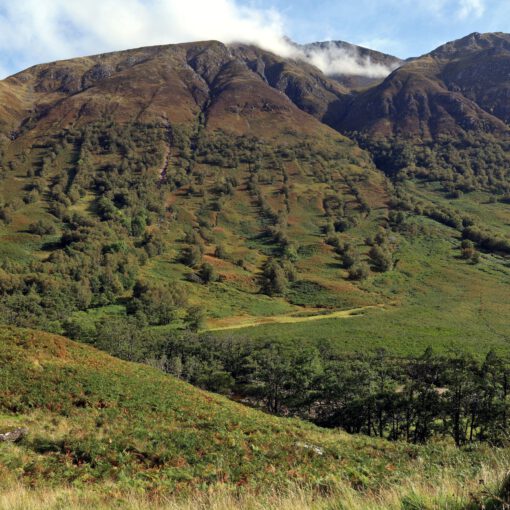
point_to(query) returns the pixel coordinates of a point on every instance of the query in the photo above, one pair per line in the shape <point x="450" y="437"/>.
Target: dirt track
<point x="247" y="322"/>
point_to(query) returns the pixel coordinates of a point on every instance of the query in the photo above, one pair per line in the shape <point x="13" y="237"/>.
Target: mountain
<point x="170" y="150"/>
<point x="177" y="83"/>
<point x="99" y="431"/>
<point x="204" y="186"/>
<point x="235" y="88"/>
<point x="259" y="229"/>
<point x="351" y="65"/>
<point x="460" y="87"/>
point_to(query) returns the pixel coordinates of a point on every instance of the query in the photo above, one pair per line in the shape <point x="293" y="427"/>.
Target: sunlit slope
<point x="94" y="420"/>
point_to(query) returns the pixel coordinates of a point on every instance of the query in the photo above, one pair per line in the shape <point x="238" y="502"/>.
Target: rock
<point x="316" y="449"/>
<point x="13" y="436"/>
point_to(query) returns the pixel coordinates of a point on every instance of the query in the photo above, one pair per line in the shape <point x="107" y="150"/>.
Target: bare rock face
<point x="13" y="436"/>
<point x="97" y="73"/>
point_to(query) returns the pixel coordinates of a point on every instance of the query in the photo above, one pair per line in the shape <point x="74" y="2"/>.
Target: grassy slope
<point x="429" y="299"/>
<point x="239" y="226"/>
<point x="96" y="422"/>
<point x="433" y="298"/>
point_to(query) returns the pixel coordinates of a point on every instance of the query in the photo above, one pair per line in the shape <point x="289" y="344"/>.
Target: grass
<point x="302" y="317"/>
<point x="447" y="494"/>
<point x="99" y="426"/>
<point x="403" y="330"/>
<point x="431" y="298"/>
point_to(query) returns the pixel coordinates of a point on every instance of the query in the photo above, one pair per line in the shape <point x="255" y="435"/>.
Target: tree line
<point x="411" y="398"/>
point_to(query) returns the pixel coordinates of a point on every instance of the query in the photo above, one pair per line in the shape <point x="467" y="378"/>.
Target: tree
<point x="192" y="256"/>
<point x="42" y="228"/>
<point x="106" y="209"/>
<point x="207" y="273"/>
<point x="122" y="337"/>
<point x="274" y="279"/>
<point x="220" y="252"/>
<point x="467" y="249"/>
<point x="359" y="271"/>
<point x="381" y="258"/>
<point x="214" y="378"/>
<point x="6" y="215"/>
<point x="461" y="395"/>
<point x="138" y="225"/>
<point x="159" y="304"/>
<point x="195" y="318"/>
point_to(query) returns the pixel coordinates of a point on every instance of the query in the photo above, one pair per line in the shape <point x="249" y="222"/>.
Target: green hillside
<point x="273" y="230"/>
<point x="195" y="187"/>
<point x="249" y="225"/>
<point x="113" y="431"/>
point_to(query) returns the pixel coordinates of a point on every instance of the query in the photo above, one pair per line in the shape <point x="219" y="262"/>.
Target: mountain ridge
<point x="427" y="97"/>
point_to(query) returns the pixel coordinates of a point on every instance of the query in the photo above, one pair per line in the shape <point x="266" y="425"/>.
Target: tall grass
<point x="450" y="492"/>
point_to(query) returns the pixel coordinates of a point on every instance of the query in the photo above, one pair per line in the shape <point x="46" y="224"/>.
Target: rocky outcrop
<point x="13" y="436"/>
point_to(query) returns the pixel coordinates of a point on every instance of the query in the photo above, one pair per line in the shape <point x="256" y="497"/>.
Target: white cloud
<point x="385" y="44"/>
<point x="34" y="31"/>
<point x="334" y="61"/>
<point x="468" y="8"/>
<point x="461" y="9"/>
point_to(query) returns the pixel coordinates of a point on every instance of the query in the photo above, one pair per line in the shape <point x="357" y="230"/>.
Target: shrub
<point x="192" y="256"/>
<point x="159" y="304"/>
<point x="359" y="271"/>
<point x="220" y="252"/>
<point x="274" y="279"/>
<point x="207" y="273"/>
<point x="42" y="228"/>
<point x="381" y="258"/>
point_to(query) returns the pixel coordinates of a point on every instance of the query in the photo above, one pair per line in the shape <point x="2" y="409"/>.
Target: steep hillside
<point x="107" y="427"/>
<point x="327" y="230"/>
<point x="171" y="164"/>
<point x="194" y="186"/>
<point x="233" y="88"/>
<point x="457" y="88"/>
<point x="441" y="119"/>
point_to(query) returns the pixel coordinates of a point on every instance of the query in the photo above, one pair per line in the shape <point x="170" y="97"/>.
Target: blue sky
<point x="36" y="31"/>
<point x="401" y="27"/>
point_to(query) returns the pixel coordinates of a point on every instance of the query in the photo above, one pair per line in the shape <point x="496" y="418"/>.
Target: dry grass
<point x="245" y="322"/>
<point x="163" y="445"/>
<point x="446" y="493"/>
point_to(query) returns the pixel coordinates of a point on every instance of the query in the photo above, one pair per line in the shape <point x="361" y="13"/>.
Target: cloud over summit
<point x="33" y="31"/>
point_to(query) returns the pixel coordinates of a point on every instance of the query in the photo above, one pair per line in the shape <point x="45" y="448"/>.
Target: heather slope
<point x="94" y="422"/>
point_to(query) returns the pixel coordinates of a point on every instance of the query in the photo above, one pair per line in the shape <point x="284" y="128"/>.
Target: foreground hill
<point x="98" y="425"/>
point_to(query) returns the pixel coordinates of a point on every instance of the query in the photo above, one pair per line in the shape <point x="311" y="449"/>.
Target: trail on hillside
<point x="247" y="322"/>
